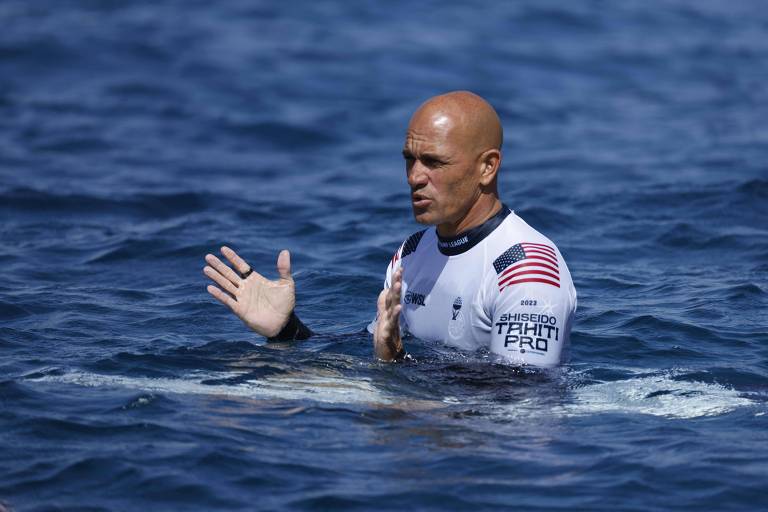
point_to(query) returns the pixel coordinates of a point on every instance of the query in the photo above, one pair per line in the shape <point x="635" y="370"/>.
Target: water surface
<point x="136" y="137"/>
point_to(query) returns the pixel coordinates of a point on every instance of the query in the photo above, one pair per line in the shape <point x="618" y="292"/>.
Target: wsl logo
<point x="456" y="325"/>
<point x="414" y="298"/>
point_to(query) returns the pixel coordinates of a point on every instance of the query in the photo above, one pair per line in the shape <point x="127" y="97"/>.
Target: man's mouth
<point x="420" y="201"/>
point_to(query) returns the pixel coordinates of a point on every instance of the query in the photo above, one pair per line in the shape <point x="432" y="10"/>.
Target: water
<point x="136" y="137"/>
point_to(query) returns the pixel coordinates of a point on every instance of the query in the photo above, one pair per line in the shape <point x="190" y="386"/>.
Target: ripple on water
<point x="10" y="311"/>
<point x="270" y="134"/>
<point x="757" y="188"/>
<point x="140" y="205"/>
<point x="125" y="159"/>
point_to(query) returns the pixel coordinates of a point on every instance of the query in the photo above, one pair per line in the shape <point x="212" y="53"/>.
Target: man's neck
<point x="483" y="209"/>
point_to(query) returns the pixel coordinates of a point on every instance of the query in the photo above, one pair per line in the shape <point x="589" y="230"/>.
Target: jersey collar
<point x="471" y="237"/>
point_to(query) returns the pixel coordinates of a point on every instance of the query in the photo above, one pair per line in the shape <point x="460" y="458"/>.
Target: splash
<point x="658" y="395"/>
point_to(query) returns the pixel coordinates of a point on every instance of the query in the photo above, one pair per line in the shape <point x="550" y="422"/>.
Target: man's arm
<point x="265" y="306"/>
<point x="532" y="323"/>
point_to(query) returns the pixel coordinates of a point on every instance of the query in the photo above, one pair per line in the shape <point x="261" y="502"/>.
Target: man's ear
<point x="490" y="161"/>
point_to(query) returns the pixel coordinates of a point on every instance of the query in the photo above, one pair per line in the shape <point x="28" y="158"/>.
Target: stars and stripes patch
<point x="527" y="262"/>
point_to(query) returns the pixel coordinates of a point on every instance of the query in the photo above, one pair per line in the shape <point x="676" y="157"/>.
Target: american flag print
<point x="394" y="259"/>
<point x="527" y="262"/>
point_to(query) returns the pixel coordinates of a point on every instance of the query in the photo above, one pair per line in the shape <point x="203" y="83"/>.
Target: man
<point x="481" y="278"/>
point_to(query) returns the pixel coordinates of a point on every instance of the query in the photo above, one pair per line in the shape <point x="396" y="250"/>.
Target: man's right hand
<point x="386" y="338"/>
<point x="263" y="305"/>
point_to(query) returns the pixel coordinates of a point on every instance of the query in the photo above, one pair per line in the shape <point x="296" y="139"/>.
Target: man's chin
<point x="423" y="216"/>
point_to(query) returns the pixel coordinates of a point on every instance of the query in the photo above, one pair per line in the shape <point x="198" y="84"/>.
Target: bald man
<point x="481" y="278"/>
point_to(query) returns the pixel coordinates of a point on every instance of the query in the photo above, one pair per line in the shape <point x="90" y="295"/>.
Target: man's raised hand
<point x="263" y="305"/>
<point x="386" y="338"/>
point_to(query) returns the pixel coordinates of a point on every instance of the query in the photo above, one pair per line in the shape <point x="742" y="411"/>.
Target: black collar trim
<point x="470" y="238"/>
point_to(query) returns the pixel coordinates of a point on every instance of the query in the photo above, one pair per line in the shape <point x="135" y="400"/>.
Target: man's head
<point x="452" y="153"/>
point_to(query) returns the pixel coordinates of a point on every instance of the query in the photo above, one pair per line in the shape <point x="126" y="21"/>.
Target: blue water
<point x="135" y="137"/>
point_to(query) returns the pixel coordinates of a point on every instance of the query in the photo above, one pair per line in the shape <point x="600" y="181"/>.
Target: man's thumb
<point x="284" y="264"/>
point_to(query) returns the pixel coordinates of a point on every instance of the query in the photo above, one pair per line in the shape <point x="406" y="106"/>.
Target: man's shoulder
<point x="518" y="241"/>
<point x="408" y="247"/>
<point x="412" y="243"/>
<point x="513" y="231"/>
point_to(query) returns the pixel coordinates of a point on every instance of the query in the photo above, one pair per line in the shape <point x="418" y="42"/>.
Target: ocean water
<point x="135" y="137"/>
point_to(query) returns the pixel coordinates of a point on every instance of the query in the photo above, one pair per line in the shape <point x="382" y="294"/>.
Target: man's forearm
<point x="294" y="330"/>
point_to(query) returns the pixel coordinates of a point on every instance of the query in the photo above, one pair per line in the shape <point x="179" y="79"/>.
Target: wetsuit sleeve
<point x="532" y="311"/>
<point x="294" y="330"/>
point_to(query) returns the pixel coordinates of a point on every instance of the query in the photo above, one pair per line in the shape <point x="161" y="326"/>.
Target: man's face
<point x="442" y="168"/>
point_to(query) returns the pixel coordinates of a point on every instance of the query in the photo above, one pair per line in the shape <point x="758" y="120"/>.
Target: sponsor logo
<point x="454" y="243"/>
<point x="414" y="298"/>
<point x="528" y="331"/>
<point x="456" y="308"/>
<point x="456" y="325"/>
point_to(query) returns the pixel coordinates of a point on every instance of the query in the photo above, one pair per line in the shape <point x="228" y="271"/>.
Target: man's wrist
<point x="392" y="352"/>
<point x="294" y="330"/>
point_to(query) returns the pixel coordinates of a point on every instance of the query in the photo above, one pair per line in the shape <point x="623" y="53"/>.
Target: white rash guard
<point x="501" y="285"/>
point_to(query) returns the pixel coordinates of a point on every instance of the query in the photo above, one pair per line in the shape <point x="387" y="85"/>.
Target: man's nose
<point x="417" y="175"/>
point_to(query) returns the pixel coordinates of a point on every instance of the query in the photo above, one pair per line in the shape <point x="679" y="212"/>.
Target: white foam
<point x="659" y="395"/>
<point x="318" y="387"/>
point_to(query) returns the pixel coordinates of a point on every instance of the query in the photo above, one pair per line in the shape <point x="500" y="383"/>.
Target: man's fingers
<point x="381" y="303"/>
<point x="384" y="307"/>
<point x="284" y="264"/>
<point x="222" y="297"/>
<point x="222" y="269"/>
<point x="393" y="297"/>
<point x="387" y="334"/>
<point x="238" y="262"/>
<point x="397" y="282"/>
<point x="394" y="319"/>
<point x="220" y="280"/>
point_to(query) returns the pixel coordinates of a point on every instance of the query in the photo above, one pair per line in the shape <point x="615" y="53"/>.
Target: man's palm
<point x="263" y="305"/>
